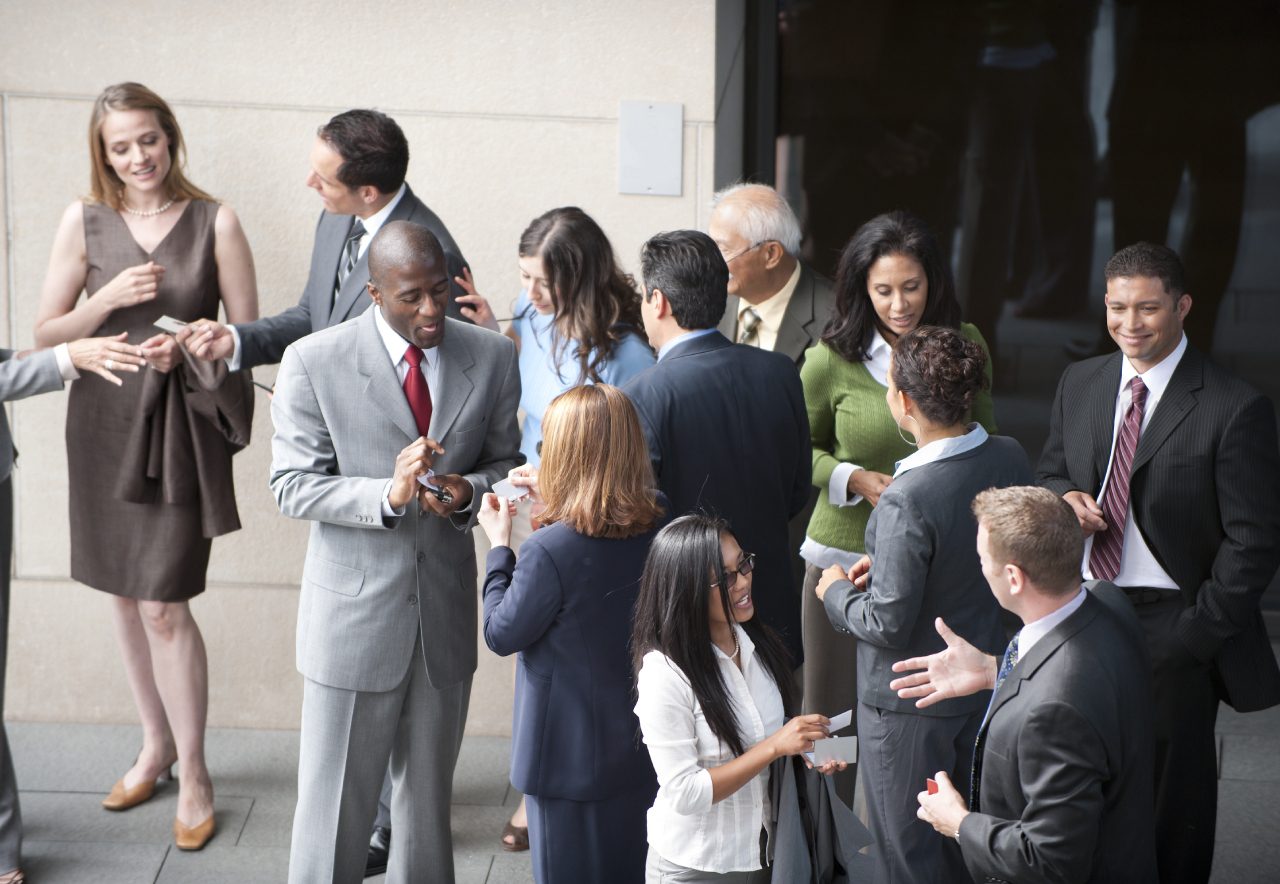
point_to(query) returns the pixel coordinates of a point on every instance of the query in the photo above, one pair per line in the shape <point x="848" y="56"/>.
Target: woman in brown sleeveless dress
<point x="150" y="461"/>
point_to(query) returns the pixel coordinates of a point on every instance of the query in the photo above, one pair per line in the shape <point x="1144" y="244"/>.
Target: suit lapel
<point x="382" y="384"/>
<point x="793" y="334"/>
<point x="1178" y="399"/>
<point x="454" y="384"/>
<point x="1102" y="416"/>
<point x="354" y="286"/>
<point x="1042" y="651"/>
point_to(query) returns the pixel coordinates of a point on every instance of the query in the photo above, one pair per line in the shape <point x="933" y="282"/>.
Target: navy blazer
<point x="567" y="607"/>
<point x="728" y="433"/>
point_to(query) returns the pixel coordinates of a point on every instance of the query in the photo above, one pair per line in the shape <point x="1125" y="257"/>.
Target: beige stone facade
<point x="510" y="109"/>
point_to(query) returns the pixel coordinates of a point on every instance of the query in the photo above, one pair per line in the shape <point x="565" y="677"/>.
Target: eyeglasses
<point x="745" y="566"/>
<point x="728" y="259"/>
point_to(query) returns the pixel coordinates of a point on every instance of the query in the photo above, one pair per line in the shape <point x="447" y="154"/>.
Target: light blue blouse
<point x="543" y="379"/>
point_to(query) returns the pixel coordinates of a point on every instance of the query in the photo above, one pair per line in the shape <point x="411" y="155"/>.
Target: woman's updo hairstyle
<point x="941" y="370"/>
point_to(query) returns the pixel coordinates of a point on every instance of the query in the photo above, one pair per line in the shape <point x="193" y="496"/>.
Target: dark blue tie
<point x="1007" y="662"/>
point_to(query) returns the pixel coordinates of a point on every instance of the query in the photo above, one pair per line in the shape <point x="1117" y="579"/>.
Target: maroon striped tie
<point x="1104" y="560"/>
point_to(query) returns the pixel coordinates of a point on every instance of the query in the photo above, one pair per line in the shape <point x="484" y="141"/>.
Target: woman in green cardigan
<point x="891" y="278"/>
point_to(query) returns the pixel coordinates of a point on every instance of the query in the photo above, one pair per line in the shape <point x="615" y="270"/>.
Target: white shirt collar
<point x="1038" y="629"/>
<point x="1156" y="378"/>
<point x="877" y="362"/>
<point x="374" y="222"/>
<point x="398" y="346"/>
<point x="942" y="448"/>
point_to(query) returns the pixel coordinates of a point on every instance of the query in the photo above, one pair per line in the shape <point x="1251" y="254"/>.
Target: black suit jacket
<point x="1066" y="791"/>
<point x="262" y="341"/>
<point x="728" y="433"/>
<point x="803" y="321"/>
<point x="1205" y="492"/>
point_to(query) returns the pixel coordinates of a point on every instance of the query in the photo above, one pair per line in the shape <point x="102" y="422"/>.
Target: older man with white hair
<point x="775" y="301"/>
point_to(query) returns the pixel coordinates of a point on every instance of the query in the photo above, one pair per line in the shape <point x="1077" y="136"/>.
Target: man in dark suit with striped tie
<point x="1171" y="466"/>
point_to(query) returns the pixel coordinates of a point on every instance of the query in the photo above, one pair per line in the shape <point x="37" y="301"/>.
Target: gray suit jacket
<point x="20" y="378"/>
<point x="802" y="323"/>
<point x="263" y="340"/>
<point x="369" y="584"/>
<point x="922" y="539"/>
<point x="1066" y="792"/>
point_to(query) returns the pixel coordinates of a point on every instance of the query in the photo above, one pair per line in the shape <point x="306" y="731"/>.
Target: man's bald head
<point x="399" y="244"/>
<point x="409" y="281"/>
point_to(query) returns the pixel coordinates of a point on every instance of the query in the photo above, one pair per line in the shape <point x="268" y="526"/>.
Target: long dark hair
<point x="672" y="617"/>
<point x="896" y="233"/>
<point x="596" y="304"/>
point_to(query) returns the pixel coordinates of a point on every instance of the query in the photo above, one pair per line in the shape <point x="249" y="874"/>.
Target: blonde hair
<point x="595" y="475"/>
<point x="105" y="185"/>
<point x="1036" y="530"/>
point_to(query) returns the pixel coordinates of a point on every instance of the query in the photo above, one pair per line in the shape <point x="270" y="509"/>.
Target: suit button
<point x="413" y="600"/>
<point x="422" y="557"/>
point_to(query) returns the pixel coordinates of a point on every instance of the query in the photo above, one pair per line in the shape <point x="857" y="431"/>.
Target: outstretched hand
<point x="958" y="671"/>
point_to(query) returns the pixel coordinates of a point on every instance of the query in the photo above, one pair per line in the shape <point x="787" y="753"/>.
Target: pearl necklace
<point x="148" y="213"/>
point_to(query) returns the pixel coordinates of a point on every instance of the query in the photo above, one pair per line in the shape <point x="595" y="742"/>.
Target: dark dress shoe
<point x="379" y="849"/>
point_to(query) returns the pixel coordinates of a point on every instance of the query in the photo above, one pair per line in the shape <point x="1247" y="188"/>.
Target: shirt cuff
<point x="838" y="487"/>
<point x="233" y="361"/>
<point x="388" y="511"/>
<point x="66" y="368"/>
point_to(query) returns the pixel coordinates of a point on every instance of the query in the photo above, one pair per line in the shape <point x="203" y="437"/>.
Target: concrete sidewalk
<point x="65" y="770"/>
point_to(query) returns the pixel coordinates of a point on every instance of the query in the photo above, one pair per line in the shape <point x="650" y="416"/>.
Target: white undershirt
<point x="1138" y="565"/>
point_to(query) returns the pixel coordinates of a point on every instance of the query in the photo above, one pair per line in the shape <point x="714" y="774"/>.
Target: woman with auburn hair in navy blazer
<point x="566" y="607"/>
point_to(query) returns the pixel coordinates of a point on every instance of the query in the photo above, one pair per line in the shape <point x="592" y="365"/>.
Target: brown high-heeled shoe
<point x="193" y="837"/>
<point x="123" y="799"/>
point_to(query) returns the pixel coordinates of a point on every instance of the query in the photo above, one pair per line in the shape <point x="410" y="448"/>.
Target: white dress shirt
<point x="1038" y="629"/>
<point x="938" y="449"/>
<point x="685" y="827"/>
<point x="430" y="368"/>
<point x="771" y="311"/>
<point x="1138" y="566"/>
<point x="67" y="368"/>
<point x="372" y="225"/>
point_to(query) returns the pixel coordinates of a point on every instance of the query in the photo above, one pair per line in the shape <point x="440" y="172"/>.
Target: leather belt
<point x="1141" y="595"/>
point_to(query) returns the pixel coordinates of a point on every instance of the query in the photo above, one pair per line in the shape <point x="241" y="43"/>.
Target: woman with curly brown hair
<point x="920" y="565"/>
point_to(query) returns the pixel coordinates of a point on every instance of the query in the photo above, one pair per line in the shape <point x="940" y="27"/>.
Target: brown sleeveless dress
<point x="150" y="462"/>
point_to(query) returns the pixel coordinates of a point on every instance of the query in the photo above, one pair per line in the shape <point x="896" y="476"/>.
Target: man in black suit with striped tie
<point x="1171" y="466"/>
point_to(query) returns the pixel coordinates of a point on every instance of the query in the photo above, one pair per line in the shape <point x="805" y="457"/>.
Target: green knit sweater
<point x="849" y="422"/>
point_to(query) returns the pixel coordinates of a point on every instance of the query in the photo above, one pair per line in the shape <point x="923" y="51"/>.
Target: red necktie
<point x="416" y="391"/>
<point x="1104" y="559"/>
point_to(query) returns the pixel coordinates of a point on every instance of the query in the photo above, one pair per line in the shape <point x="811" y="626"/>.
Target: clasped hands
<point x="414" y="461"/>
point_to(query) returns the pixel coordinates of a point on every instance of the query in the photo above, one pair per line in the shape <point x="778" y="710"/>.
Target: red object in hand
<point x="932" y="785"/>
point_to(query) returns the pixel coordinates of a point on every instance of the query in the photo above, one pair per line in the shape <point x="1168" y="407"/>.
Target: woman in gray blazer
<point x="921" y="564"/>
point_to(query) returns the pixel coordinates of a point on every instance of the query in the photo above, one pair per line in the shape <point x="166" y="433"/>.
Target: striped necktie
<point x="749" y="328"/>
<point x="1007" y="662"/>
<point x="1104" y="558"/>
<point x="350" y="255"/>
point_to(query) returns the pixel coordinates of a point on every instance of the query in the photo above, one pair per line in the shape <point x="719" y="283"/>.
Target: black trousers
<point x="1186" y="780"/>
